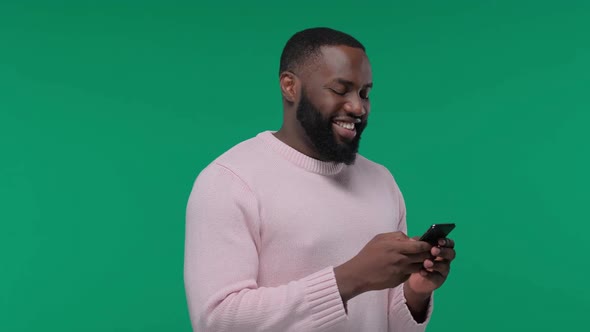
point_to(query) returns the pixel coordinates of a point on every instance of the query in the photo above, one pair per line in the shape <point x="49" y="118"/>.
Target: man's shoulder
<point x="245" y="156"/>
<point x="246" y="151"/>
<point x="366" y="164"/>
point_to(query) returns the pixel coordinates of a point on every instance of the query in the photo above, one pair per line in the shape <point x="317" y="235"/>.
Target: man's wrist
<point x="348" y="284"/>
<point x="417" y="302"/>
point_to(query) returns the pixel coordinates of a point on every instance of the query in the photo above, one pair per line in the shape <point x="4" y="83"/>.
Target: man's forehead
<point x="343" y="63"/>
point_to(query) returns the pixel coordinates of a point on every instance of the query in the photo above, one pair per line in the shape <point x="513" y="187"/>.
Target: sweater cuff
<point x="324" y="299"/>
<point x="401" y="312"/>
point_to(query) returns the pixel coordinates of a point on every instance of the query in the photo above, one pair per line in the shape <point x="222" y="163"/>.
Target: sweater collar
<point x="299" y="159"/>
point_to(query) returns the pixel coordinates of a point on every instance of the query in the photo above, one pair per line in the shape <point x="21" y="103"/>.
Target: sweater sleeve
<point x="222" y="240"/>
<point x="400" y="317"/>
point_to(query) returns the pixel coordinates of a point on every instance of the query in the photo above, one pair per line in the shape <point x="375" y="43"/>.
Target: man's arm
<point x="221" y="266"/>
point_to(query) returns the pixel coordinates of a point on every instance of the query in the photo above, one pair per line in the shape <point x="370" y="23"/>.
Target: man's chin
<point x="351" y="160"/>
<point x="347" y="154"/>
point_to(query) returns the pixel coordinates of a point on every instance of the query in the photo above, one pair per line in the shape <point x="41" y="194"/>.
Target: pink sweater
<point x="265" y="227"/>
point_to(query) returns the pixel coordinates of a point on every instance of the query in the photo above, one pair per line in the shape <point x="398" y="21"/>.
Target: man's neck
<point x="297" y="142"/>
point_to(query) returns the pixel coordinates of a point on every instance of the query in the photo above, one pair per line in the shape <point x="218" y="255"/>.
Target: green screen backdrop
<point x="109" y="110"/>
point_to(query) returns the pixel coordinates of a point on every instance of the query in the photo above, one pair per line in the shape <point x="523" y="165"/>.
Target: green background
<point x="108" y="112"/>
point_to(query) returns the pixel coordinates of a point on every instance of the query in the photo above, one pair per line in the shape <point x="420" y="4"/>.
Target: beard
<point x="320" y="132"/>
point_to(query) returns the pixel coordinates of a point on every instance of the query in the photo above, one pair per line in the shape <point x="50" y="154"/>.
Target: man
<point x="294" y="230"/>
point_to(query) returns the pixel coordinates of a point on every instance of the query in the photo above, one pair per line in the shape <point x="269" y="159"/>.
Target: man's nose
<point x="355" y="106"/>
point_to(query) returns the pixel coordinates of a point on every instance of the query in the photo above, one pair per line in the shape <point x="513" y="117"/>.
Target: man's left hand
<point x="435" y="271"/>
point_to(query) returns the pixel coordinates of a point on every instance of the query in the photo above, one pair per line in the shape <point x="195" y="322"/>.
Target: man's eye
<point x="365" y="95"/>
<point x="338" y="92"/>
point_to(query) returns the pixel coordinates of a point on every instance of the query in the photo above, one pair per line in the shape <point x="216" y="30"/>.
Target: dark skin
<point x="341" y="70"/>
<point x="338" y="85"/>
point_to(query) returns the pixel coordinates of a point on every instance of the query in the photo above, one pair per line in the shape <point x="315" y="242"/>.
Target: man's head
<point x="325" y="78"/>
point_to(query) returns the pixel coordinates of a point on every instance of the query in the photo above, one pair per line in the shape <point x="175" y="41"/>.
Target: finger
<point x="448" y="254"/>
<point x="434" y="277"/>
<point x="435" y="251"/>
<point x="413" y="247"/>
<point x="442" y="267"/>
<point x="444" y="253"/>
<point x="446" y="242"/>
<point x="420" y="257"/>
<point x="429" y="264"/>
<point x="415" y="267"/>
<point x="425" y="272"/>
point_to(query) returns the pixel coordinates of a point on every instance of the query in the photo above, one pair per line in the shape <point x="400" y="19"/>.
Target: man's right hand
<point x="385" y="262"/>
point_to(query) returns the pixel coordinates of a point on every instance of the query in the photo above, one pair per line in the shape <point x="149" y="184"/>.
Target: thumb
<point x="415" y="238"/>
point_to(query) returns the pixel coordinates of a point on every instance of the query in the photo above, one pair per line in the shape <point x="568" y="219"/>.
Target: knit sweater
<point x="265" y="227"/>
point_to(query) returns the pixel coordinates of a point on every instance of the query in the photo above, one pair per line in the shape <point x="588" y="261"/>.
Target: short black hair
<point x="306" y="44"/>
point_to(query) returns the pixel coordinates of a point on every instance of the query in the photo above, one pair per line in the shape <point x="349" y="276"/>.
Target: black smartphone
<point x="436" y="232"/>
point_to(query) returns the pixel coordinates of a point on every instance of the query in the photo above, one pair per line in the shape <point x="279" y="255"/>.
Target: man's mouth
<point x="345" y="125"/>
<point x="345" y="129"/>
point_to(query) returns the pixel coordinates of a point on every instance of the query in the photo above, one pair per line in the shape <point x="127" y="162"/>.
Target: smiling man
<point x="294" y="230"/>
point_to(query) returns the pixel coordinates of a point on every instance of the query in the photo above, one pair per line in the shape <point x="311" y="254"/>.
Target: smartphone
<point x="436" y="232"/>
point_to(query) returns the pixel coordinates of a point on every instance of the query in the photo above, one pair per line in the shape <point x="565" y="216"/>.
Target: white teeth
<point x="347" y="125"/>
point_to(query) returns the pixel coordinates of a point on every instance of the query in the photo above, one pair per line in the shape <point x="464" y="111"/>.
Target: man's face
<point x="334" y="105"/>
<point x="320" y="131"/>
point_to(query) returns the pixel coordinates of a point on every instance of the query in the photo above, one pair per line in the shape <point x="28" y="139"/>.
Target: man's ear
<point x="290" y="86"/>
